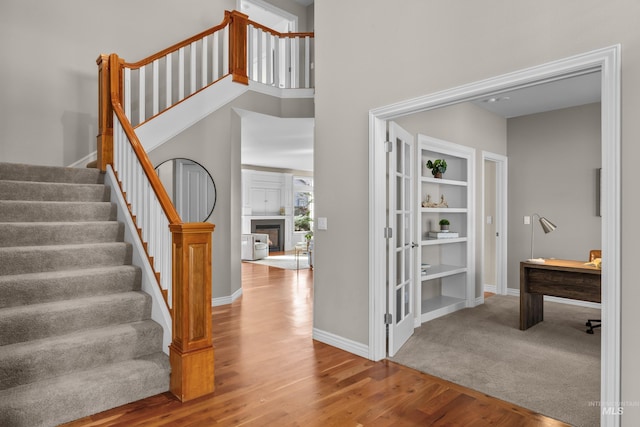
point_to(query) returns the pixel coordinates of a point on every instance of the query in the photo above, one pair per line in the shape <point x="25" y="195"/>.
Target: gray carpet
<point x="76" y="337"/>
<point x="552" y="368"/>
<point x="287" y="262"/>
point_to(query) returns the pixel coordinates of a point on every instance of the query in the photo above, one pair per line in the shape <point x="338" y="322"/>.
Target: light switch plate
<point x="322" y="223"/>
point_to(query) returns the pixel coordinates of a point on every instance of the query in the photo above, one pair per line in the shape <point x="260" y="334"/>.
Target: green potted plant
<point x="438" y="167"/>
<point x="444" y="224"/>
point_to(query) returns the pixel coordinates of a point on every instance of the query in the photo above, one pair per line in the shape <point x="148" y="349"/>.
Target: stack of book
<point x="442" y="235"/>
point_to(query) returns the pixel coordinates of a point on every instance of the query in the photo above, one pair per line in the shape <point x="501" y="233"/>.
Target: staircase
<point x="76" y="336"/>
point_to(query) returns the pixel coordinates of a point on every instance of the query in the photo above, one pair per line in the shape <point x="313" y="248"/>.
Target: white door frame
<point x="606" y="60"/>
<point x="502" y="175"/>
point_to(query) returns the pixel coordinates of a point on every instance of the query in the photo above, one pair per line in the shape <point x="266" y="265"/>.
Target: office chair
<point x="593" y="323"/>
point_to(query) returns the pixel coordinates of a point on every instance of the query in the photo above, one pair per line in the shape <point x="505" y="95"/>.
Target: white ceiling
<point x="563" y="93"/>
<point x="275" y="142"/>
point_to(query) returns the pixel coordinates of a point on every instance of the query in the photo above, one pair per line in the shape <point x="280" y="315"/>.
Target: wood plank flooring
<point x="269" y="372"/>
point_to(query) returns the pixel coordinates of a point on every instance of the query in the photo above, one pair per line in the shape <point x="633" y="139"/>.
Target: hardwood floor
<point x="269" y="372"/>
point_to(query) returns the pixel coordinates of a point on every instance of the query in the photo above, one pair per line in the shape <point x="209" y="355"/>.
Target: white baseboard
<point x="215" y="302"/>
<point x="345" y="344"/>
<point x="516" y="293"/>
<point x="491" y="288"/>
<point x="82" y="163"/>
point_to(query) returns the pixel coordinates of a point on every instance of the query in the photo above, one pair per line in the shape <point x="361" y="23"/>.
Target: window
<point x="303" y="203"/>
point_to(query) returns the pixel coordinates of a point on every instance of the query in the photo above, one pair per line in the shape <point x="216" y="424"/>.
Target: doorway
<point x="493" y="251"/>
<point x="607" y="61"/>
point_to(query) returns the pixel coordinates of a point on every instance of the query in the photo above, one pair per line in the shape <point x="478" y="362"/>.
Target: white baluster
<point x="168" y="82"/>
<point x="287" y="62"/>
<point x="269" y="64"/>
<point x="127" y="93"/>
<point x="156" y="87"/>
<point x="307" y="62"/>
<point x="215" y="60"/>
<point x="276" y="68"/>
<point x="180" y="74"/>
<point x="141" y="94"/>
<point x="225" y="50"/>
<point x="260" y="51"/>
<point x="192" y="68"/>
<point x="250" y="51"/>
<point x="205" y="62"/>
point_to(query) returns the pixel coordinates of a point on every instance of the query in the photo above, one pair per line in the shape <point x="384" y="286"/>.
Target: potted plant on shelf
<point x="444" y="224"/>
<point x="438" y="167"/>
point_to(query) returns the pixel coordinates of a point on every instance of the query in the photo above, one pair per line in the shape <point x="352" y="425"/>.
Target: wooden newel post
<point x="191" y="351"/>
<point x="109" y="84"/>
<point x="105" y="114"/>
<point x="238" y="47"/>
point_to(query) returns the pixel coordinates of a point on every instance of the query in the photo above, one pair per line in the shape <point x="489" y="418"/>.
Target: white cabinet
<point x="265" y="201"/>
<point x="445" y="263"/>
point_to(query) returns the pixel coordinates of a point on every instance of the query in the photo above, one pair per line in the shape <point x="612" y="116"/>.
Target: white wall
<point x="371" y="53"/>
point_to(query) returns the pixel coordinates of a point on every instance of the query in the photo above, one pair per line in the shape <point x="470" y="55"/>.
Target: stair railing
<point x="133" y="93"/>
<point x="237" y="46"/>
<point x="180" y="253"/>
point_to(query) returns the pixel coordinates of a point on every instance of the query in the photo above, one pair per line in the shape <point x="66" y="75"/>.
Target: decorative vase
<point x="444" y="228"/>
<point x="437" y="175"/>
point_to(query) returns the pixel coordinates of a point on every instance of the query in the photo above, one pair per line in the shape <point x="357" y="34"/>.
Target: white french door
<point x="400" y="236"/>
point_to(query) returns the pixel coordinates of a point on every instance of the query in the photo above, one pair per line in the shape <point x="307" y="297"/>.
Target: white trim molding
<point x="337" y="341"/>
<point x="216" y="302"/>
<point x="606" y="60"/>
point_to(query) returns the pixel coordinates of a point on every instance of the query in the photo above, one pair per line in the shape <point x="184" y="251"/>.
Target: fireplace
<point x="274" y="228"/>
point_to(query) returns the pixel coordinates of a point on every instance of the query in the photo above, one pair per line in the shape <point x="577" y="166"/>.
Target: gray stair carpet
<point x="76" y="335"/>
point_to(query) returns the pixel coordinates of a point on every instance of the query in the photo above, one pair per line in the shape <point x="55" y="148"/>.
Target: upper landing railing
<point x="133" y="93"/>
<point x="237" y="46"/>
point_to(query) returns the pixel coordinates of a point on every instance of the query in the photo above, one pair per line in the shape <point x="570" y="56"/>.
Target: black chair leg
<point x="591" y="323"/>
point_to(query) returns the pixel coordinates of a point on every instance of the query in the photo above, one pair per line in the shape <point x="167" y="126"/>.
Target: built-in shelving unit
<point x="447" y="285"/>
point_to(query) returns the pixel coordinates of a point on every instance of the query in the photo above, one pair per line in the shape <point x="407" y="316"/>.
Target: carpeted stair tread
<point x="34" y="259"/>
<point x="37" y="288"/>
<point x="24" y="172"/>
<point x="48" y="211"/>
<point x="37" y="321"/>
<point x="24" y="363"/>
<point x="53" y="191"/>
<point x="59" y="233"/>
<point x="54" y="401"/>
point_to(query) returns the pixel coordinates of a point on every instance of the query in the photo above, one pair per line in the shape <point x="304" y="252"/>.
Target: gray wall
<point x="49" y="79"/>
<point x="372" y="53"/>
<point x="489" y="193"/>
<point x="553" y="159"/>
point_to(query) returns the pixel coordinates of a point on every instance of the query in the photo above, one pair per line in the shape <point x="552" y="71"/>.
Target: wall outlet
<point x="527" y="220"/>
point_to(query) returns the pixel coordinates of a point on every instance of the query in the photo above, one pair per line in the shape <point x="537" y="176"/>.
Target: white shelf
<point x="450" y="281"/>
<point x="444" y="210"/>
<point x="443" y="270"/>
<point x="439" y="306"/>
<point x="428" y="242"/>
<point x="444" y="181"/>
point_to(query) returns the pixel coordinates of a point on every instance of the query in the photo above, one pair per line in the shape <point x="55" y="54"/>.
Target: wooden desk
<point x="556" y="277"/>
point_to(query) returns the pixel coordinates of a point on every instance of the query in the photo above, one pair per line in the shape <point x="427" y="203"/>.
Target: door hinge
<point x="388" y="146"/>
<point x="388" y="318"/>
<point x="388" y="232"/>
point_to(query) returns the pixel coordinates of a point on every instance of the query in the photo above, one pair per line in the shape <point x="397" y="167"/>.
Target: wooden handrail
<point x="147" y="166"/>
<point x="278" y="34"/>
<point x="148" y="60"/>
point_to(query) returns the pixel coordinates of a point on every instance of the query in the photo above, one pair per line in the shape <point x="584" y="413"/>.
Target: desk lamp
<point x="547" y="227"/>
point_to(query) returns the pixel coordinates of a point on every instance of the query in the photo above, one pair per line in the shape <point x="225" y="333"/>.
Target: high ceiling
<point x="288" y="143"/>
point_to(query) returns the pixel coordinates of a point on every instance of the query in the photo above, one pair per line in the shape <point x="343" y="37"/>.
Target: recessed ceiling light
<point x="496" y="99"/>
